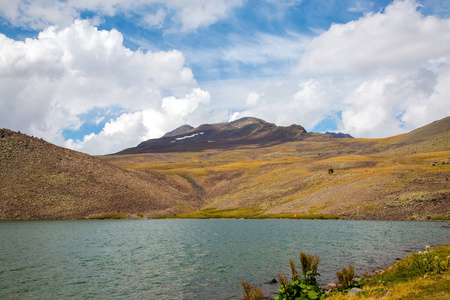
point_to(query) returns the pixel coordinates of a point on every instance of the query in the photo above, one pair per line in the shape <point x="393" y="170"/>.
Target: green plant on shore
<point x="425" y="262"/>
<point x="305" y="287"/>
<point x="345" y="279"/>
<point x="409" y="278"/>
<point x="251" y="292"/>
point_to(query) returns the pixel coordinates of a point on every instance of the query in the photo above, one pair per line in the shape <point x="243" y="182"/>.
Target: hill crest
<point x="39" y="180"/>
<point x="245" y="132"/>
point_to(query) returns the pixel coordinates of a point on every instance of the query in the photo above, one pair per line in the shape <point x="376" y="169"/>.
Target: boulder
<point x="354" y="291"/>
<point x="330" y="287"/>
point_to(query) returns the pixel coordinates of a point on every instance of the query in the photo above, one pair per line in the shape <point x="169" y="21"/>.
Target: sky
<point x="99" y="76"/>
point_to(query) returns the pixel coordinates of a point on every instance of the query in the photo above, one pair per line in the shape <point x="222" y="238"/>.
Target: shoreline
<point x="375" y="271"/>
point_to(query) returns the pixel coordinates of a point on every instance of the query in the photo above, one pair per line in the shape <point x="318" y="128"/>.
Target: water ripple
<point x="189" y="259"/>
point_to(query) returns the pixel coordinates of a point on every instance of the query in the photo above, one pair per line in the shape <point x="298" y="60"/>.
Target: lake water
<point x="190" y="259"/>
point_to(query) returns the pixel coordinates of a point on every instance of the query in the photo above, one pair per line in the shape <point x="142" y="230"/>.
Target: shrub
<point x="251" y="292"/>
<point x="310" y="265"/>
<point x="345" y="278"/>
<point x="305" y="287"/>
<point x="425" y="262"/>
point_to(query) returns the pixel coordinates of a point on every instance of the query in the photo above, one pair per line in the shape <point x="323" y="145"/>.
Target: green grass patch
<point x="212" y="213"/>
<point x="111" y="216"/>
<point x="442" y="218"/>
<point x="243" y="213"/>
<point x="303" y="216"/>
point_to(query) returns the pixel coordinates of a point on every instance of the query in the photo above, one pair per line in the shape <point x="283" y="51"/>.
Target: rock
<point x="330" y="287"/>
<point x="354" y="291"/>
<point x="446" y="226"/>
<point x="376" y="272"/>
<point x="273" y="281"/>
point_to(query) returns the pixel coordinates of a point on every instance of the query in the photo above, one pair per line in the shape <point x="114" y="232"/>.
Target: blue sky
<point x="103" y="75"/>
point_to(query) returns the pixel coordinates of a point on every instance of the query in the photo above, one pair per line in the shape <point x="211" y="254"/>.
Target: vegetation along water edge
<point x="422" y="275"/>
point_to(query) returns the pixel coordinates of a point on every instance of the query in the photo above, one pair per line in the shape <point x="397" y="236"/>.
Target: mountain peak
<point x="250" y="120"/>
<point x="242" y="133"/>
<point x="339" y="135"/>
<point x="183" y="129"/>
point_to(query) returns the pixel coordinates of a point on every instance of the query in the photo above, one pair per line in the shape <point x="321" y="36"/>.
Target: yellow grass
<point x="398" y="283"/>
<point x="274" y="176"/>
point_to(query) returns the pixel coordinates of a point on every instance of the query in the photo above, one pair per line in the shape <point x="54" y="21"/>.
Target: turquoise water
<point x="189" y="259"/>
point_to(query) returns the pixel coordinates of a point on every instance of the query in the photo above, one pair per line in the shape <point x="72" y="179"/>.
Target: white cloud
<point x="180" y="108"/>
<point x="384" y="74"/>
<point x="263" y="48"/>
<point x="187" y="15"/>
<point x="369" y="110"/>
<point x="129" y="129"/>
<point x="234" y="116"/>
<point x="196" y="13"/>
<point x="391" y="67"/>
<point x="48" y="82"/>
<point x="398" y="37"/>
<point x="284" y="102"/>
<point x="394" y="104"/>
<point x="252" y="99"/>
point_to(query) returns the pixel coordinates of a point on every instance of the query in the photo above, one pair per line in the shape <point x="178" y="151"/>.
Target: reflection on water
<point x="189" y="259"/>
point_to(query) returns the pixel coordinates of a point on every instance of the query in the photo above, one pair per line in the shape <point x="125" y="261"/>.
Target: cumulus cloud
<point x="398" y="37"/>
<point x="185" y="15"/>
<point x="48" y="82"/>
<point x="383" y="74"/>
<point x="180" y="108"/>
<point x="391" y="67"/>
<point x="393" y="104"/>
<point x="129" y="129"/>
<point x="283" y="102"/>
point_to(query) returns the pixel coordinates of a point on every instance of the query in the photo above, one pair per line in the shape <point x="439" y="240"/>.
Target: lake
<point x="190" y="259"/>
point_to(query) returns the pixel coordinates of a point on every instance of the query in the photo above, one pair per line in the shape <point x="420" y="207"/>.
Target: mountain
<point x="245" y="132"/>
<point x="179" y="131"/>
<point x="39" y="180"/>
<point x="339" y="135"/>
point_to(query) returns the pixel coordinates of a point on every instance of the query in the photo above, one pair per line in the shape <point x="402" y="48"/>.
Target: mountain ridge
<point x="178" y="131"/>
<point x="245" y="132"/>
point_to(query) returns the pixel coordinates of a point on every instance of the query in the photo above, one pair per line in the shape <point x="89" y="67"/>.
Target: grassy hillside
<point x="41" y="181"/>
<point x="405" y="177"/>
<point x="399" y="178"/>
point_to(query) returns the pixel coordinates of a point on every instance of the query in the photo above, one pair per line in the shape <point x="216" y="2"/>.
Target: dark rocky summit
<point x="245" y="132"/>
<point x="339" y="135"/>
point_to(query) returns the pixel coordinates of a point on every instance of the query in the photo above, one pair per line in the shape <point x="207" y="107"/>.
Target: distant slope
<point x="429" y="138"/>
<point x="403" y="177"/>
<point x="39" y="180"/>
<point x="246" y="132"/>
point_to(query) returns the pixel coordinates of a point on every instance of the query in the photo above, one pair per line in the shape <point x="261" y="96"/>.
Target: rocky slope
<point x="39" y="180"/>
